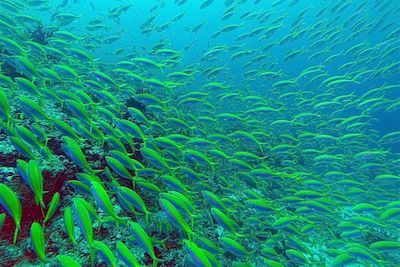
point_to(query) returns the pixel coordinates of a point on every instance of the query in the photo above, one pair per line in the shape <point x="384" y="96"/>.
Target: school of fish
<point x="259" y="149"/>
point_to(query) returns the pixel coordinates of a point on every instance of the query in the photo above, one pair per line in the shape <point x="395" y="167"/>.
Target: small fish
<point x="12" y="205"/>
<point x="197" y="254"/>
<point x="105" y="253"/>
<point x="155" y="158"/>
<point x="30" y="138"/>
<point x="126" y="255"/>
<point x="74" y="152"/>
<point x="104" y="202"/>
<point x="234" y="247"/>
<point x="65" y="129"/>
<point x="206" y="3"/>
<point x="175" y="216"/>
<point x="143" y="239"/>
<point x="130" y="196"/>
<point x="79" y="110"/>
<point x="226" y="222"/>
<point x="385" y="246"/>
<point x="67" y="261"/>
<point x="82" y="218"/>
<point x="37" y="240"/>
<point x="176" y="184"/>
<point x="129" y="127"/>
<point x="181" y="203"/>
<point x="297" y="256"/>
<point x="53" y="206"/>
<point x="22" y="147"/>
<point x="69" y="224"/>
<point x="198" y="157"/>
<point x="32" y="175"/>
<point x="118" y="167"/>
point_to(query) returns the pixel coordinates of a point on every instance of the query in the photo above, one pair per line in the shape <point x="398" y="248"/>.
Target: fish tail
<point x="239" y="235"/>
<point x="40" y="99"/>
<point x="191" y="234"/>
<point x="42" y="206"/>
<point x="95" y="171"/>
<point x="117" y="221"/>
<point x="162" y="69"/>
<point x="15" y="234"/>
<point x="47" y="153"/>
<point x="156" y="261"/>
<point x="133" y="182"/>
<point x="92" y="251"/>
<point x="212" y="166"/>
<point x="261" y="148"/>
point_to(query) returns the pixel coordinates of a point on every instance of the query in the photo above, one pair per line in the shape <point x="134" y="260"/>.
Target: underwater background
<point x="199" y="133"/>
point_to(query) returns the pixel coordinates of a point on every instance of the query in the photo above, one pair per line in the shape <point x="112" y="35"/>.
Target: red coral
<point x="171" y="245"/>
<point x="149" y="260"/>
<point x="30" y="211"/>
<point x="8" y="160"/>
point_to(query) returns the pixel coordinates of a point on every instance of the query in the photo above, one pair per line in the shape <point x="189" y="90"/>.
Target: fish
<point x="199" y="257"/>
<point x="32" y="109"/>
<point x="126" y="255"/>
<point x="264" y="136"/>
<point x="175" y="216"/>
<point x="225" y="221"/>
<point x="233" y="246"/>
<point x="12" y="205"/>
<point x="82" y="218"/>
<point x="22" y="147"/>
<point x="53" y="206"/>
<point x="105" y="253"/>
<point x="65" y="260"/>
<point x="37" y="240"/>
<point x="128" y="195"/>
<point x="69" y="224"/>
<point x="73" y="150"/>
<point x="142" y="239"/>
<point x="104" y="202"/>
<point x="33" y="177"/>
